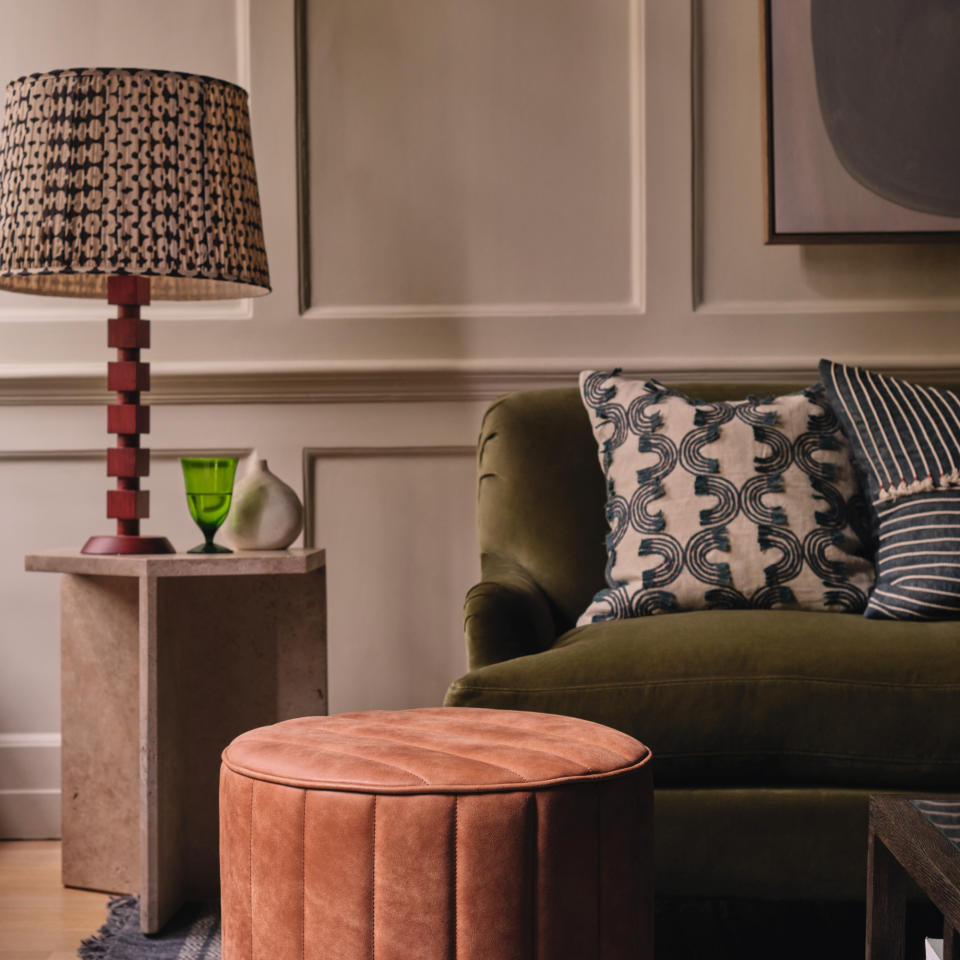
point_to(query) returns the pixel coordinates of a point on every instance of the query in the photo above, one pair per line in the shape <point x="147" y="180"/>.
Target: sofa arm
<point x="506" y="615"/>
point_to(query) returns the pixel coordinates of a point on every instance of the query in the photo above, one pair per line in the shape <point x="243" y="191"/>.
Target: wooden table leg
<point x="950" y="946"/>
<point x="886" y="903"/>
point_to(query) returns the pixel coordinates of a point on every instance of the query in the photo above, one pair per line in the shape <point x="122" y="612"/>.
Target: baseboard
<point x="29" y="786"/>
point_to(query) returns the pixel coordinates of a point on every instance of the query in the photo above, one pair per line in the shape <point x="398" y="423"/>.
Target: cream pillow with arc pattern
<point x="747" y="504"/>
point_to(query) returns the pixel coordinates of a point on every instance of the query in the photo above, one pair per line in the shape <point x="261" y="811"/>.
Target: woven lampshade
<point x="125" y="171"/>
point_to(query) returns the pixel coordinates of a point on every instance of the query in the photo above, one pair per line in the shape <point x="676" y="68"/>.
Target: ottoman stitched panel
<point x="436" y="834"/>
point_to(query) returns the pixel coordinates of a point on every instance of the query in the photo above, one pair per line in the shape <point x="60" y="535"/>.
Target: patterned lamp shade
<point x="129" y="172"/>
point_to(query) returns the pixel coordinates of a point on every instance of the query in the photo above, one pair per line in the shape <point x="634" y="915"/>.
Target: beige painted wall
<point x="502" y="194"/>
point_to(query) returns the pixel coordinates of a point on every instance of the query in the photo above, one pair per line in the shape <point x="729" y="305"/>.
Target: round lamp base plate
<point x="127" y="544"/>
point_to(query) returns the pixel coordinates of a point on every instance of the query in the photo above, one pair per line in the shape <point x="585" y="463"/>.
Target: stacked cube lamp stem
<point x="128" y="418"/>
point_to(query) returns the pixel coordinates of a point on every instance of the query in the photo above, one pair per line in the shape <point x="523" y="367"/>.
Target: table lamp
<point x="129" y="184"/>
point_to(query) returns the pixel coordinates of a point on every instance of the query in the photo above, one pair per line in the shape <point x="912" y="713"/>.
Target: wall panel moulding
<point x="423" y="187"/>
<point x="313" y="455"/>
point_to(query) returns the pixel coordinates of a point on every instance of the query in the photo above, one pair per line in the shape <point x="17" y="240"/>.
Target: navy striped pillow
<point x="918" y="558"/>
<point x="905" y="442"/>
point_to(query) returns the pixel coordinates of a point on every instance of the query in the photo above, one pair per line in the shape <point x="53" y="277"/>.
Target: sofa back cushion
<point x="541" y="491"/>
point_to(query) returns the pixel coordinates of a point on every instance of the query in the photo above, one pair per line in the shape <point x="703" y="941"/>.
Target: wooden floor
<point x="39" y="919"/>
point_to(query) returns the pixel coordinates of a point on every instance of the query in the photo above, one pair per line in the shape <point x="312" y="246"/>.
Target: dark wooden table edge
<point x="903" y="842"/>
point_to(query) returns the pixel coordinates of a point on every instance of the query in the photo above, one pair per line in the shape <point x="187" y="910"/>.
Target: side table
<point x="165" y="659"/>
<point x="916" y="837"/>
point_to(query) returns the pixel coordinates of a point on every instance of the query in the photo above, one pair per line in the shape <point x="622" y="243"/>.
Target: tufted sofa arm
<point x="506" y="615"/>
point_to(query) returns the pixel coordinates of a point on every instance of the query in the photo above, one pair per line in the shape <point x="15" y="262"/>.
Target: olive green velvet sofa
<point x="769" y="728"/>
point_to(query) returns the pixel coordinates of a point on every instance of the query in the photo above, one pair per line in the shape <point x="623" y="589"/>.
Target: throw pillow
<point x="905" y="441"/>
<point x="735" y="505"/>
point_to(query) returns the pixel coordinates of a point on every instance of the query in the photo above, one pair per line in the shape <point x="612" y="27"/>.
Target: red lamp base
<point x="128" y="418"/>
<point x="127" y="544"/>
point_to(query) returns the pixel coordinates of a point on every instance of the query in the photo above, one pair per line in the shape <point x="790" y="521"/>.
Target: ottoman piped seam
<point x="598" y="829"/>
<point x="303" y="878"/>
<point x="252" y="786"/>
<point x="373" y="885"/>
<point x="348" y="786"/>
<point x="456" y="875"/>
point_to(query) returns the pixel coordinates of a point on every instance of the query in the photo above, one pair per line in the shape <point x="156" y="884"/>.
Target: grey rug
<point x="685" y="929"/>
<point x="193" y="934"/>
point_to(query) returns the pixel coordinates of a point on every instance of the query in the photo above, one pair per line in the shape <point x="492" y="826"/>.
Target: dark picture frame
<point x="849" y="156"/>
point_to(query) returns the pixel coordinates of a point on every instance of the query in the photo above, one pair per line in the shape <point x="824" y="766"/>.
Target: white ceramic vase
<point x="266" y="514"/>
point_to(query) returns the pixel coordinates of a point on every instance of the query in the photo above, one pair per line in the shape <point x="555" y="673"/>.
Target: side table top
<point x="241" y="563"/>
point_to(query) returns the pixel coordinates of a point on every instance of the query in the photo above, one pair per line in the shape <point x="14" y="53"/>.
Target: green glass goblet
<point x="209" y="483"/>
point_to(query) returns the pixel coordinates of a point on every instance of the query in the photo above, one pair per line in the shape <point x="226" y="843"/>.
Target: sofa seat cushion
<point x="759" y="697"/>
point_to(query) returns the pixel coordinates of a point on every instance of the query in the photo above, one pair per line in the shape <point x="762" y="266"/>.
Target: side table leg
<point x="220" y="655"/>
<point x="950" y="946"/>
<point x="886" y="903"/>
<point x="101" y="809"/>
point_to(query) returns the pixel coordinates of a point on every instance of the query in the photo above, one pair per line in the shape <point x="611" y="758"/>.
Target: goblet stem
<point x="208" y="546"/>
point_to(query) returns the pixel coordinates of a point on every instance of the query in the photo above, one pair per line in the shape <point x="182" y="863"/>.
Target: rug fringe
<point x="96" y="947"/>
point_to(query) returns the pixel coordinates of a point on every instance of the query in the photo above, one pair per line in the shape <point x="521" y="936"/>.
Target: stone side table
<point x="165" y="659"/>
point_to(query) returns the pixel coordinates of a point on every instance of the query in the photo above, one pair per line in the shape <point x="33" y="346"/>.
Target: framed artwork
<point x="861" y="123"/>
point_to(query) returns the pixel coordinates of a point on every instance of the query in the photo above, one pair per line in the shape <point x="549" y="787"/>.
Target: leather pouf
<point x="436" y="834"/>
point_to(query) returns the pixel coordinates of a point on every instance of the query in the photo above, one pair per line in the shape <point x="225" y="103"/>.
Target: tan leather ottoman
<point x="437" y="834"/>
